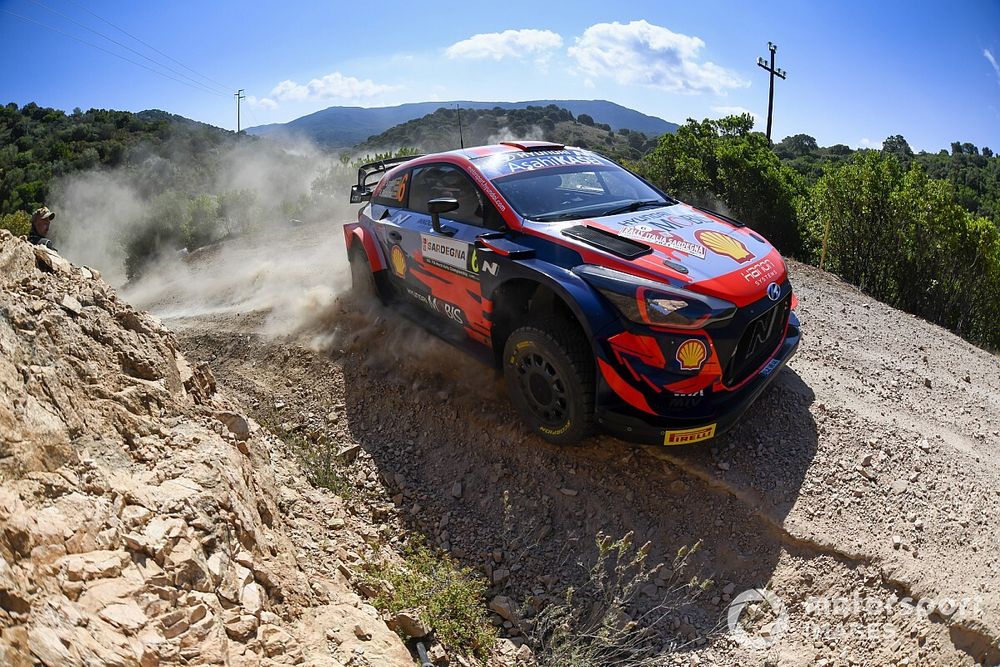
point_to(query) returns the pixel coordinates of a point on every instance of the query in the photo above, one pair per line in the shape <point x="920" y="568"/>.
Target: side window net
<point x="436" y="181"/>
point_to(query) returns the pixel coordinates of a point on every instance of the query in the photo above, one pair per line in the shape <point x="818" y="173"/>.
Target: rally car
<point x="607" y="303"/>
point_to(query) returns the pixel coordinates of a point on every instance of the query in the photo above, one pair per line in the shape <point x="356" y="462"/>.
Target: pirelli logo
<point x="689" y="435"/>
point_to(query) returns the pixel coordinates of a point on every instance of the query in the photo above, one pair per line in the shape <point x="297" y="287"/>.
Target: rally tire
<point x="362" y="279"/>
<point x="549" y="371"/>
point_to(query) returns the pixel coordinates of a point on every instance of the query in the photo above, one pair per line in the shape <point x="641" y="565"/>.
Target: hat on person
<point x="42" y="213"/>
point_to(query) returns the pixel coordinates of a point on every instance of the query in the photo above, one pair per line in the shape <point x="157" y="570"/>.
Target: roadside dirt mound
<point x="143" y="519"/>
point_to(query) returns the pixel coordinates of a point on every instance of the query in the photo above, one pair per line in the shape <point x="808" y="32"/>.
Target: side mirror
<point x="438" y="206"/>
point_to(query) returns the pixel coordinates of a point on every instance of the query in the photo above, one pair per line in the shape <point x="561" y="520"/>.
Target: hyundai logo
<point x="774" y="291"/>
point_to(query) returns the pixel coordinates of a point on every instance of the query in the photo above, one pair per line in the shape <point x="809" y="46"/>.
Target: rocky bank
<point x="143" y="519"/>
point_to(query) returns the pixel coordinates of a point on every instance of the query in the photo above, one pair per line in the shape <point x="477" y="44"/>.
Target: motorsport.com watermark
<point x="871" y="617"/>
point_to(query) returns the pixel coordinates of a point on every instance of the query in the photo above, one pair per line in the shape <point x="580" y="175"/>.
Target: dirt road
<point x="862" y="488"/>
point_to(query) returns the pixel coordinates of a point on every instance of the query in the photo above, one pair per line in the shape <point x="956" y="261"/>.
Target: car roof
<point x="522" y="149"/>
<point x="476" y="152"/>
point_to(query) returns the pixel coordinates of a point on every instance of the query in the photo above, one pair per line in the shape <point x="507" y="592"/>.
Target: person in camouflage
<point x="40" y="221"/>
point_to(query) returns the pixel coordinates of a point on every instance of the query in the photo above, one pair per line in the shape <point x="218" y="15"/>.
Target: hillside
<point x="144" y="519"/>
<point x="42" y="145"/>
<point x="343" y="127"/>
<point x="439" y="131"/>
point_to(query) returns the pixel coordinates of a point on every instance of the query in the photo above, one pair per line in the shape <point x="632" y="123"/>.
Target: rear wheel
<point x="362" y="278"/>
<point x="549" y="370"/>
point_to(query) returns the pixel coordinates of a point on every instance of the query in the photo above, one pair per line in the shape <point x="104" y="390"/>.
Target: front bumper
<point x="724" y="410"/>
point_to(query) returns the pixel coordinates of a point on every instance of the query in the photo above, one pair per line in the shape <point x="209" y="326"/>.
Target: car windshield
<point x="578" y="191"/>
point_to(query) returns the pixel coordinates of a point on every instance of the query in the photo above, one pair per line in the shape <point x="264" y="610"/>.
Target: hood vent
<point x="616" y="245"/>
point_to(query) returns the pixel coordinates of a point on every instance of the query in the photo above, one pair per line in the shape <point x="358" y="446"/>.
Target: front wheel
<point x="549" y="370"/>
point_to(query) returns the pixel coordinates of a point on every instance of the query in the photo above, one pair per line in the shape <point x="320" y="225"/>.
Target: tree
<point x="796" y="145"/>
<point x="201" y="226"/>
<point x="585" y="119"/>
<point x="237" y="210"/>
<point x="159" y="231"/>
<point x="723" y="160"/>
<point x="896" y="145"/>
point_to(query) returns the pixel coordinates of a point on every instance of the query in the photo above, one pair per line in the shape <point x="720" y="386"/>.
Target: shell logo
<point x="691" y="354"/>
<point x="398" y="261"/>
<point x="723" y="244"/>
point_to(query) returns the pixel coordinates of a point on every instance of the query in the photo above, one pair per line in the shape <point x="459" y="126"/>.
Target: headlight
<point x="657" y="304"/>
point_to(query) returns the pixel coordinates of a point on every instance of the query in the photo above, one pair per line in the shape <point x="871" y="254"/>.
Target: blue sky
<point x="857" y="71"/>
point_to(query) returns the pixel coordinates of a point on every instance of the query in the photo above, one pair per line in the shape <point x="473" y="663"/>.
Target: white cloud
<point x="334" y="85"/>
<point x="993" y="61"/>
<point x="289" y="90"/>
<point x="865" y="142"/>
<point x="651" y="55"/>
<point x="261" y="102"/>
<point x="734" y="111"/>
<point x="529" y="43"/>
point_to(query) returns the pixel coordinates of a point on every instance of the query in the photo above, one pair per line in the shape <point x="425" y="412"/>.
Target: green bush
<point x="17" y="223"/>
<point x="857" y="203"/>
<point x="452" y="598"/>
<point x="905" y="239"/>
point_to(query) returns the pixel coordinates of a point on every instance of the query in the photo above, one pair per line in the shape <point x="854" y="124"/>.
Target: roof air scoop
<point x="533" y="145"/>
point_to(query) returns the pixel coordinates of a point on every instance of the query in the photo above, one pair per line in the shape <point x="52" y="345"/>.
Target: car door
<point x="443" y="268"/>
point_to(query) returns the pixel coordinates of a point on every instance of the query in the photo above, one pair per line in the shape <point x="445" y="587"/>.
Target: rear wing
<point x="363" y="190"/>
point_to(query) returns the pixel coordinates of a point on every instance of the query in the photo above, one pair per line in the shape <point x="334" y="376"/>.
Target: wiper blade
<point x="635" y="206"/>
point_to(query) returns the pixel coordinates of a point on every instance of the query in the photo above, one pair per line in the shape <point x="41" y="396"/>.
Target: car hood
<point x="689" y="247"/>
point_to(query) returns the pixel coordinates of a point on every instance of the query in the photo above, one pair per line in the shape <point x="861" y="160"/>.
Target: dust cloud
<point x="277" y="263"/>
<point x="276" y="282"/>
<point x="93" y="209"/>
<point x="99" y="211"/>
<point x="505" y="133"/>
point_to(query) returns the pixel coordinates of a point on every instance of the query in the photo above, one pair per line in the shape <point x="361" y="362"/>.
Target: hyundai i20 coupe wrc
<point x="607" y="303"/>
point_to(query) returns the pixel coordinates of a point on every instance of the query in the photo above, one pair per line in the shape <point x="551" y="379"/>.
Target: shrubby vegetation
<point x="918" y="231"/>
<point x="449" y="597"/>
<point x="904" y="238"/>
<point x="18" y="222"/>
<point x="40" y="145"/>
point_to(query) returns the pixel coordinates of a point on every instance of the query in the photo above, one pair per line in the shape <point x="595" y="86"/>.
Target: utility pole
<point x="461" y="137"/>
<point x="770" y="93"/>
<point x="239" y="96"/>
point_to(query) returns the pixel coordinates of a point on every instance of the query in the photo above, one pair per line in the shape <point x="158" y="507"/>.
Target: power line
<point x="150" y="46"/>
<point x="116" y="55"/>
<point x="124" y="46"/>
